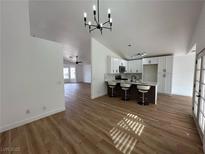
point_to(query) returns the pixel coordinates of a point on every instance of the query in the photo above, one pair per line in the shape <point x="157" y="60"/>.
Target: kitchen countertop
<point x="136" y="83"/>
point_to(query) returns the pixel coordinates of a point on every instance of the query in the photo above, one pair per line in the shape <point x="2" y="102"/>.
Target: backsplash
<point x="108" y="76"/>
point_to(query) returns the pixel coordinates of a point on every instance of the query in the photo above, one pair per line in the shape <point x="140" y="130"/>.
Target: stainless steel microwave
<point x="122" y="69"/>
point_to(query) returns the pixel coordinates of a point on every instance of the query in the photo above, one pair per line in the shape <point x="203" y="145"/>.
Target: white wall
<point x="87" y="73"/>
<point x="79" y="72"/>
<point x="150" y="73"/>
<point x="199" y="34"/>
<point x="32" y="70"/>
<point x="0" y="64"/>
<point x="183" y="74"/>
<point x="99" y="55"/>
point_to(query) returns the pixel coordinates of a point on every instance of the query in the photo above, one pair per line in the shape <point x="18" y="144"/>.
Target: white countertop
<point x="137" y="82"/>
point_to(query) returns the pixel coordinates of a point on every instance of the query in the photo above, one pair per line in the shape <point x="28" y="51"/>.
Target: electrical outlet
<point x="27" y="111"/>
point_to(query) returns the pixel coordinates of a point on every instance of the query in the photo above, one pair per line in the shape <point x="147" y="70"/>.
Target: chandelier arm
<point x="92" y="29"/>
<point x="96" y="20"/>
<point x="91" y="25"/>
<point x="107" y="28"/>
<point x="106" y="22"/>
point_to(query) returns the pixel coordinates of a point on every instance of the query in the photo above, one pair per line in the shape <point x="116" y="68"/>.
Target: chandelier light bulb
<point x="94" y="8"/>
<point x="98" y="24"/>
<point x="85" y="15"/>
<point x="110" y="20"/>
<point x="109" y="11"/>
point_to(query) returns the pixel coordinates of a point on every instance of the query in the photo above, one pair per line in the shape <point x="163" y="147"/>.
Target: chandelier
<point x="98" y="24"/>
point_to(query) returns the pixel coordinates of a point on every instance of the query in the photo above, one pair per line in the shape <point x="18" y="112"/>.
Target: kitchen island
<point x="134" y="94"/>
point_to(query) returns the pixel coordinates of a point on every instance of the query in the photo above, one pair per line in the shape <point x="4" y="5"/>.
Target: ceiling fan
<point x="77" y="61"/>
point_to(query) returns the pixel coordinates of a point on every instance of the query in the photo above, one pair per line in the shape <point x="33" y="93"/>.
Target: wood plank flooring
<point x="108" y="125"/>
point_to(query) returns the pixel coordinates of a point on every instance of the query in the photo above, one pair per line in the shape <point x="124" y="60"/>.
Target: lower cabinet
<point x="164" y="83"/>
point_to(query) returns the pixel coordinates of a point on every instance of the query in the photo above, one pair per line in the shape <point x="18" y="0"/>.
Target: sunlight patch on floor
<point x="124" y="134"/>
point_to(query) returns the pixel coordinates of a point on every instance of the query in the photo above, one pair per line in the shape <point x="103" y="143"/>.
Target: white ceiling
<point x="155" y="27"/>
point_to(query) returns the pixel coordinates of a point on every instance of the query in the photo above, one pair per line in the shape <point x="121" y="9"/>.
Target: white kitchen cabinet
<point x="138" y="66"/>
<point x="135" y="66"/>
<point x="161" y="82"/>
<point x="113" y="64"/>
<point x="123" y="62"/>
<point x="168" y="83"/>
<point x="116" y="63"/>
<point x="164" y="83"/>
<point x="165" y="64"/>
<point x="153" y="60"/>
<point x="161" y="64"/>
<point x="131" y="66"/>
<point x="169" y="64"/>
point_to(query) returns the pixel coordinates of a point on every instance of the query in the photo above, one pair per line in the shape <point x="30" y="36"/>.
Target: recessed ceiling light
<point x="129" y="45"/>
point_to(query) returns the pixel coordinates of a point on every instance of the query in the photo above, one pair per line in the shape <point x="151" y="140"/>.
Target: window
<point x="72" y="73"/>
<point x="66" y="73"/>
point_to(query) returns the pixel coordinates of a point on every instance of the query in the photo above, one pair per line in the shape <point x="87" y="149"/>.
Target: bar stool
<point x="143" y="89"/>
<point x="125" y="87"/>
<point x="112" y="85"/>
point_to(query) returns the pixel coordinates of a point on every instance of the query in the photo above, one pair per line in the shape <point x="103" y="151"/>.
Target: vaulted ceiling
<point x="152" y="26"/>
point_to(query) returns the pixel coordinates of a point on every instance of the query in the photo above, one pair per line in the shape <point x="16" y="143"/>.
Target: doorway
<point x="69" y="73"/>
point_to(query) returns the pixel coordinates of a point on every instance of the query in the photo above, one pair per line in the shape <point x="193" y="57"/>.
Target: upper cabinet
<point x="114" y="63"/>
<point x="122" y="62"/>
<point x="165" y="64"/>
<point x="138" y="66"/>
<point x="135" y="66"/>
<point x="153" y="60"/>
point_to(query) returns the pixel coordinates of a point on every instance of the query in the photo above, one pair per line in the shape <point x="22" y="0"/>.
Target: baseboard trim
<point x="29" y="120"/>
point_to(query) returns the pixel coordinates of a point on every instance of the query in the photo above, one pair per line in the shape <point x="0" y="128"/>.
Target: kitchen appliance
<point x="119" y="77"/>
<point x="122" y="69"/>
